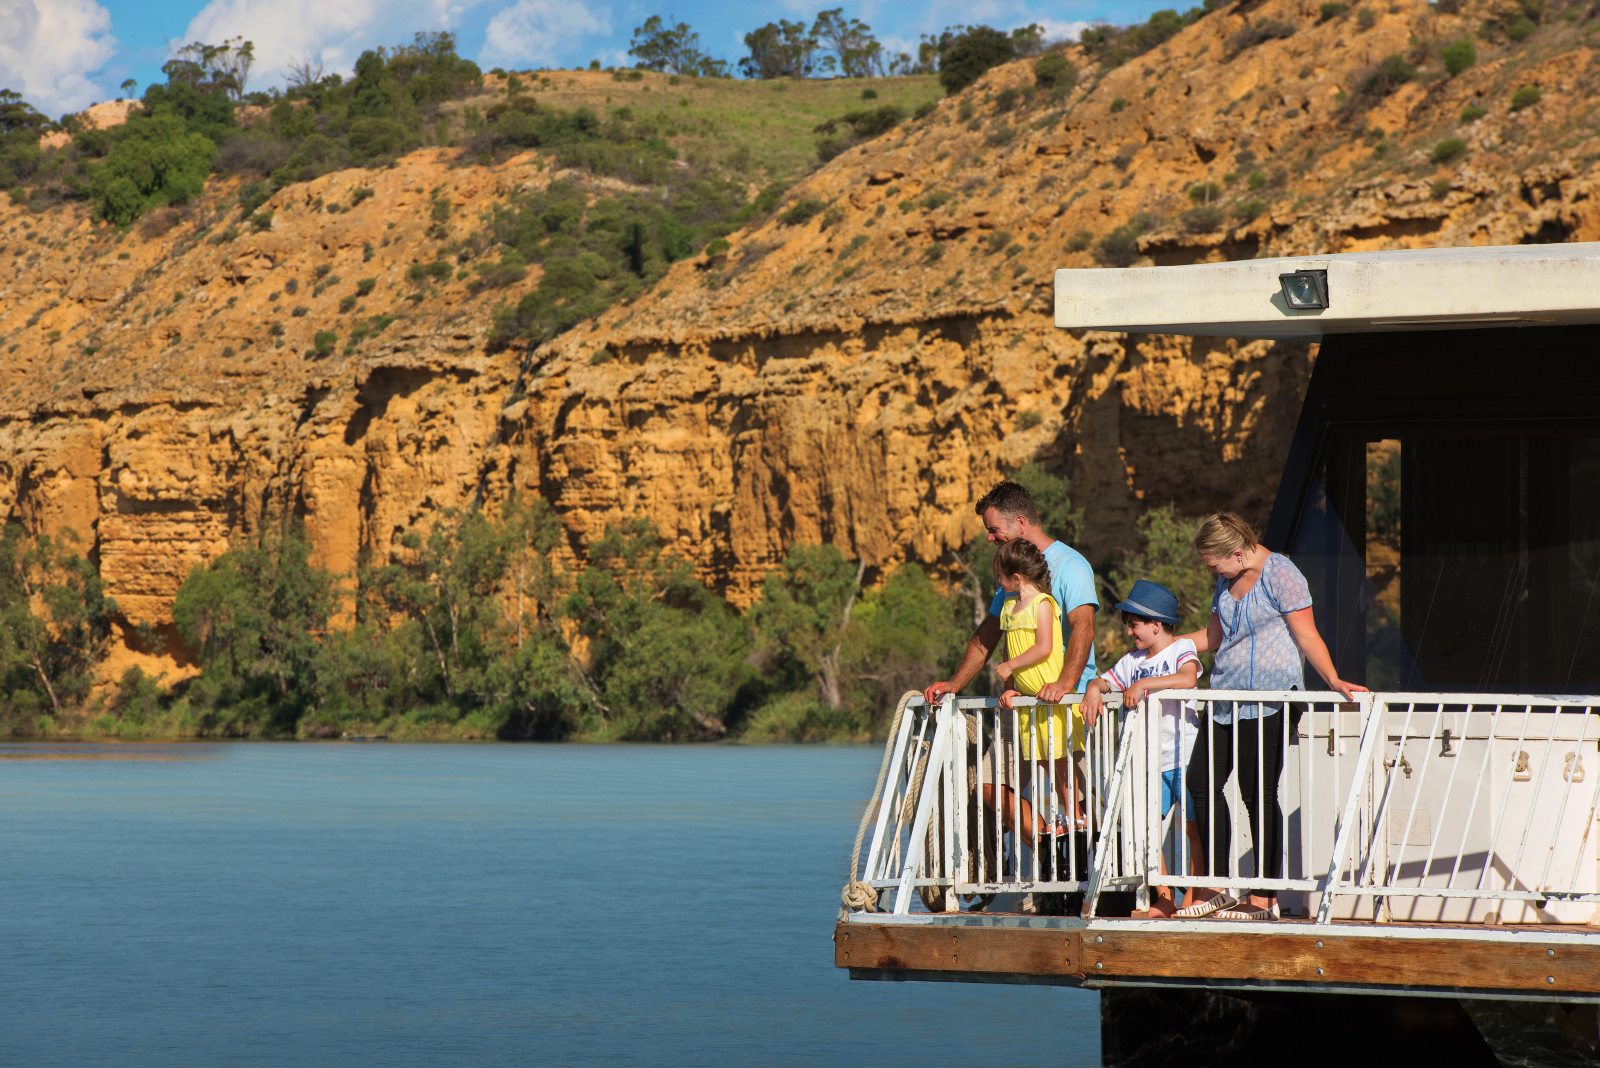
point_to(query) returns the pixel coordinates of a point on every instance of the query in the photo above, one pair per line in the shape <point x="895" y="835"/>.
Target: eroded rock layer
<point x="858" y="377"/>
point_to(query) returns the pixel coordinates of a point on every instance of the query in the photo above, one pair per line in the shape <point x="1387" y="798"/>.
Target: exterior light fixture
<point x="1305" y="290"/>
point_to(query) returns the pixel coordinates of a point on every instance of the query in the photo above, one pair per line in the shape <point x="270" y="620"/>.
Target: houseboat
<point x="1439" y="895"/>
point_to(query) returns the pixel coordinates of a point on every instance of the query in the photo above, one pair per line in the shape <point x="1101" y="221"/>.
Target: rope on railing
<point x="859" y="896"/>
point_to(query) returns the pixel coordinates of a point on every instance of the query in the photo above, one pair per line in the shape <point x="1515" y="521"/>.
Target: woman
<point x="1261" y="625"/>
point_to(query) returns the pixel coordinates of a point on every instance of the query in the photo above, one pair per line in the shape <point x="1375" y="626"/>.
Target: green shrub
<point x="357" y="196"/>
<point x="1440" y="188"/>
<point x="511" y="268"/>
<point x="1521" y="28"/>
<point x="1246" y="210"/>
<point x="346" y="303"/>
<point x="1202" y="192"/>
<point x="1458" y="57"/>
<point x="1366" y="18"/>
<point x="964" y="58"/>
<point x="261" y="221"/>
<point x="324" y="341"/>
<point x="1525" y="97"/>
<point x="600" y="356"/>
<point x="1259" y="32"/>
<point x="1331" y="9"/>
<point x="1203" y="219"/>
<point x="364" y="286"/>
<point x="1120" y="247"/>
<point x="420" y="273"/>
<point x="1473" y="113"/>
<point x="252" y="195"/>
<point x="372" y="138"/>
<point x="153" y="161"/>
<point x="299" y="311"/>
<point x="1119" y="104"/>
<point x="1079" y="241"/>
<point x="1256" y="179"/>
<point x="801" y="213"/>
<point x="1056" y="73"/>
<point x="1449" y="149"/>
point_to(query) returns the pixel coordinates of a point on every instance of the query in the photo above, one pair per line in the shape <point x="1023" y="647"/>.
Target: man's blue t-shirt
<point x="1071" y="584"/>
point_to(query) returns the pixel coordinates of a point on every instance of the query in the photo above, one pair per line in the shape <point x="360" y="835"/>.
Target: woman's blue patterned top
<point x="1257" y="650"/>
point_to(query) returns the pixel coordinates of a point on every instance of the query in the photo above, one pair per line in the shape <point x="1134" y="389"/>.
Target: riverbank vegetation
<point x="475" y="629"/>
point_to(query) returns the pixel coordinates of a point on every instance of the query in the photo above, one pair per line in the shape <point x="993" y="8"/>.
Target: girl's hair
<point x="1223" y="533"/>
<point x="1019" y="557"/>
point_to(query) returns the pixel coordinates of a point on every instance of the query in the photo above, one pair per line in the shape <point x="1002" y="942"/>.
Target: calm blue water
<point x="449" y="905"/>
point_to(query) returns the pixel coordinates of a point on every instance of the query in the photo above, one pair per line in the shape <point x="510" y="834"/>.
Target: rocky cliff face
<point x="857" y="377"/>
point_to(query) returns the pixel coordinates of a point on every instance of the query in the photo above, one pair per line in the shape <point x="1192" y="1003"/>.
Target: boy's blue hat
<point x="1151" y="599"/>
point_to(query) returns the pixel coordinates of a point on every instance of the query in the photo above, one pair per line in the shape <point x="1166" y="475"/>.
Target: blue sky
<point x="66" y="54"/>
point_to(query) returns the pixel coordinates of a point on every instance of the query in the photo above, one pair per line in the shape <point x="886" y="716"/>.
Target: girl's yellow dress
<point x="1020" y="625"/>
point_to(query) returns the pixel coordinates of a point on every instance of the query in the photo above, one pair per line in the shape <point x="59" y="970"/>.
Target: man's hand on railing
<point x="1051" y="693"/>
<point x="938" y="690"/>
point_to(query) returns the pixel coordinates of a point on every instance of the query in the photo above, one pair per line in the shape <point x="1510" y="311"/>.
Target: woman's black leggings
<point x="1206" y="785"/>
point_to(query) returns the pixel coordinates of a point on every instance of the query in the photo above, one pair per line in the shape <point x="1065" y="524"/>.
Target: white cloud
<point x="286" y="30"/>
<point x="539" y="32"/>
<point x="1057" y="30"/>
<point x="51" y="49"/>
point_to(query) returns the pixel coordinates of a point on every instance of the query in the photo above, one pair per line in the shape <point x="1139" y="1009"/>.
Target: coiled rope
<point x="859" y="896"/>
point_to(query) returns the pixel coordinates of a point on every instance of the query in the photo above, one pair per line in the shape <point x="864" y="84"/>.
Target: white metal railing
<point x="1419" y="807"/>
<point x="963" y="812"/>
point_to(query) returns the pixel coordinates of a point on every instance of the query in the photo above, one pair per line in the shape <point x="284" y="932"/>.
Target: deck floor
<point x="1540" y="960"/>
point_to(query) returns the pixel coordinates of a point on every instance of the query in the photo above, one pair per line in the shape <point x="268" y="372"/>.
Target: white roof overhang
<point x="1415" y="289"/>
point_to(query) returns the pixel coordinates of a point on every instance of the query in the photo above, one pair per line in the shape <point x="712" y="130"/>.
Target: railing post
<point x="1371" y="731"/>
<point x="955" y="836"/>
<point x="1112" y="821"/>
<point x="916" y="849"/>
<point x="1156" y="830"/>
<point x="891" y="783"/>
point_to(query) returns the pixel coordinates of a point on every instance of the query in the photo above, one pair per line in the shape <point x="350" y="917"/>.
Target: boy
<point x="1159" y="661"/>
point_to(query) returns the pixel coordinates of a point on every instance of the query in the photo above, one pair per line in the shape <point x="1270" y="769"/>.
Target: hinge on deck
<point x="1445" y="748"/>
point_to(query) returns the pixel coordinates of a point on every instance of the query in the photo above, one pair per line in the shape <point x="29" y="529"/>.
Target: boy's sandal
<point x="1223" y="900"/>
<point x="1248" y="912"/>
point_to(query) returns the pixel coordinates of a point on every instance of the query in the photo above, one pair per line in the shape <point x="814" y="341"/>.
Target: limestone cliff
<point x="858" y="376"/>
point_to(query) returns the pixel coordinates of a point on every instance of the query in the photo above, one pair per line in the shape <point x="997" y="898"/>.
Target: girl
<point x="1031" y="622"/>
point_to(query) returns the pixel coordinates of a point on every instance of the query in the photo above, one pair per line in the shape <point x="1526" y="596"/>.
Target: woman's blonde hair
<point x="1222" y="534"/>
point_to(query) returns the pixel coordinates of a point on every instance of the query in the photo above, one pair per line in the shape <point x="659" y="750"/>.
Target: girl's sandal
<point x="1211" y="904"/>
<point x="1248" y="912"/>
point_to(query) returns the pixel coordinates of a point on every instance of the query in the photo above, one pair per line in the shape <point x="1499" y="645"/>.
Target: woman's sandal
<point x="1248" y="912"/>
<point x="1211" y="904"/>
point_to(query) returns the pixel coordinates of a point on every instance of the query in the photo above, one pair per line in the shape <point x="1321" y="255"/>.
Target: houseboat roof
<point x="1410" y="289"/>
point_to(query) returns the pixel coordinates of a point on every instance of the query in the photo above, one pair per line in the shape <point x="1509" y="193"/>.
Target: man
<point x="1008" y="511"/>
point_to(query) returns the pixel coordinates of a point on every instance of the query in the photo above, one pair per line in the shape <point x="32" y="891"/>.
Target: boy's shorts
<point x="1036" y="724"/>
<point x="1169" y="794"/>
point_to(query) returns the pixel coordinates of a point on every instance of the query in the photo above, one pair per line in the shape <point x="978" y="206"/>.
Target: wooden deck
<point x="1558" y="962"/>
